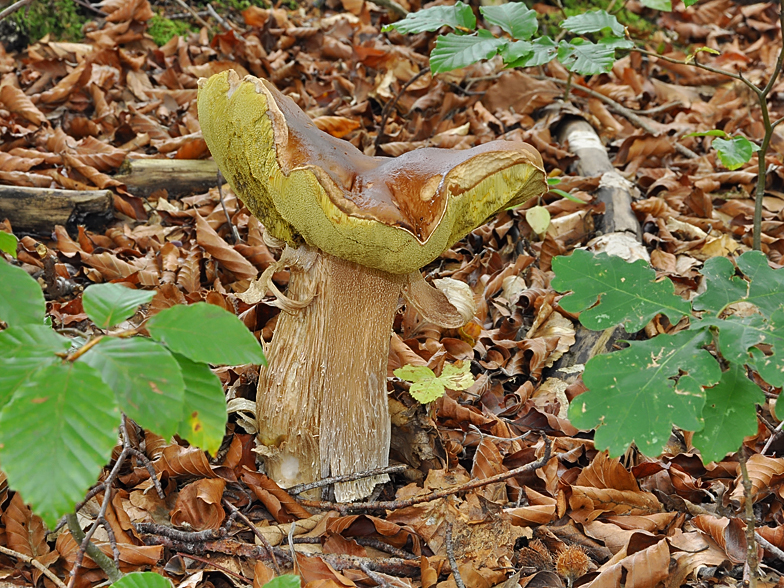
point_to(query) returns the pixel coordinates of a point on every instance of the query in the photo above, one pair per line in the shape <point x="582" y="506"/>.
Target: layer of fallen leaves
<point x="72" y="113"/>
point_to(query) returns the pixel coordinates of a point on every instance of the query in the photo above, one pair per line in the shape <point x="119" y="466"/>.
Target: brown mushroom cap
<point x="393" y="214"/>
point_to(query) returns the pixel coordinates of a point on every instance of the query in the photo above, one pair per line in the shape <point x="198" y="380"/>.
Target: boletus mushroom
<point x="357" y="231"/>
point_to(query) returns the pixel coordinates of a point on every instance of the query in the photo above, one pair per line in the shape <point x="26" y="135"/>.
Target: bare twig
<point x="223" y="569"/>
<point x="752" y="558"/>
<point x="364" y="542"/>
<point x="98" y="556"/>
<point x="377" y="578"/>
<point x="632" y="116"/>
<point x="300" y="488"/>
<point x="775" y="434"/>
<point x="234" y="232"/>
<point x="13" y="8"/>
<point x="391" y="105"/>
<point x="768" y="546"/>
<point x="35" y="563"/>
<point x="194" y="14"/>
<point x="177" y="535"/>
<point x="259" y="535"/>
<point x="436" y="494"/>
<point x="214" y="14"/>
<point x="450" y="554"/>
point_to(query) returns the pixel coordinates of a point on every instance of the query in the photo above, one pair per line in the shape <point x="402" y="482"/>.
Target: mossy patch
<point x="162" y="29"/>
<point x="61" y="19"/>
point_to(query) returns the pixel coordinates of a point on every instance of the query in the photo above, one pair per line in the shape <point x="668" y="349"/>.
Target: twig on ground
<point x="35" y="563"/>
<point x="184" y="15"/>
<point x="364" y="542"/>
<point x="98" y="556"/>
<point x="234" y="232"/>
<point x="398" y="504"/>
<point x="774" y="434"/>
<point x="259" y="535"/>
<point x="176" y="534"/>
<point x="768" y="546"/>
<point x="214" y="14"/>
<point x="391" y="105"/>
<point x="223" y="569"/>
<point x="13" y="8"/>
<point x="193" y="13"/>
<point x="377" y="578"/>
<point x="752" y="557"/>
<point x="633" y="117"/>
<point x="300" y="488"/>
<point x="450" y="554"/>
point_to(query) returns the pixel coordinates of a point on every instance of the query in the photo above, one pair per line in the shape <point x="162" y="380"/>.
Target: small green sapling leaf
<point x="204" y="423"/>
<point x="593" y="22"/>
<point x="584" y="57"/>
<point x="568" y="196"/>
<point x="284" y="581"/>
<point x="735" y="152"/>
<point x="460" y="17"/>
<point x="663" y="5"/>
<point x="455" y="51"/>
<point x="427" y="387"/>
<point x="544" y="49"/>
<point x="142" y="580"/>
<point x="110" y="304"/>
<point x="514" y="18"/>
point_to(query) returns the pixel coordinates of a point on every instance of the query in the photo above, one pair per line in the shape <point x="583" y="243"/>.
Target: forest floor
<point x="72" y="112"/>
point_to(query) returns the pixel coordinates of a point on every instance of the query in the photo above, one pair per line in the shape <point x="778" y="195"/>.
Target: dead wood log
<point x="180" y="177"/>
<point x="618" y="233"/>
<point x="38" y="210"/>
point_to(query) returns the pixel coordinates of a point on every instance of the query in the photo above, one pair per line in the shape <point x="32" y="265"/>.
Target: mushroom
<point x="357" y="229"/>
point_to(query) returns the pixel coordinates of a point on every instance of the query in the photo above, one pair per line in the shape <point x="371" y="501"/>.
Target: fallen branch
<point x="300" y="488"/>
<point x="40" y="209"/>
<point x="13" y="8"/>
<point x="35" y="563"/>
<point x="632" y="116"/>
<point x="180" y="177"/>
<point x="436" y="494"/>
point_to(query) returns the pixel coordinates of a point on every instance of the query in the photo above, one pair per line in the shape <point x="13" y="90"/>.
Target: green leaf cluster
<point x="518" y="47"/>
<point x="61" y="403"/>
<point x="638" y="393"/>
<point x="427" y="387"/>
<point x="733" y="152"/>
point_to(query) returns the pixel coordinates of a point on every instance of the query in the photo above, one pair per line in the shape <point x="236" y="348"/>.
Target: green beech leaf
<point x="204" y="421"/>
<point x="8" y="243"/>
<point x="586" y="58"/>
<point x="456" y="51"/>
<point x="459" y="17"/>
<point x="627" y="292"/>
<point x="515" y="51"/>
<point x="632" y="395"/>
<point x="145" y="378"/>
<point x="539" y="219"/>
<point x="56" y="435"/>
<point x="543" y="50"/>
<point x="284" y="581"/>
<point x="688" y="3"/>
<point x="110" y="304"/>
<point x="142" y="580"/>
<point x="735" y="152"/>
<point x="206" y="333"/>
<point x="457" y="377"/>
<point x="730" y="414"/>
<point x="593" y="22"/>
<point x="514" y="18"/>
<point x="24" y="350"/>
<point x="663" y="5"/>
<point x="616" y="43"/>
<point x="21" y="298"/>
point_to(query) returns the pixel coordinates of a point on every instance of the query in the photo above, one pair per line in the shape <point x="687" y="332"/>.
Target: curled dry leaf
<point x="199" y="505"/>
<point x="16" y="101"/>
<point x="222" y="251"/>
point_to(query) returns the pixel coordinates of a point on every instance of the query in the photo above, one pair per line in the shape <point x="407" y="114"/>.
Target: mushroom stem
<point x="322" y="401"/>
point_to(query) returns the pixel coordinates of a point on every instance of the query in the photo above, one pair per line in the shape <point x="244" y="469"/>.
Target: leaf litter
<point x="72" y="113"/>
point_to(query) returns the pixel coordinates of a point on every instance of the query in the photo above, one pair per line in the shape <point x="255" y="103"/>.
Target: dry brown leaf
<point x="16" y="101"/>
<point x="223" y="252"/>
<point x="337" y="126"/>
<point x="727" y="533"/>
<point x="199" y="505"/>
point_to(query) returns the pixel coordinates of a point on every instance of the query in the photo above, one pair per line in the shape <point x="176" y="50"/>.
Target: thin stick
<point x="375" y="577"/>
<point x="300" y="488"/>
<point x="768" y="546"/>
<point x="35" y="563"/>
<point x="752" y="559"/>
<point x="623" y="111"/>
<point x="98" y="556"/>
<point x="775" y="434"/>
<point x="13" y="8"/>
<point x="450" y="554"/>
<point x="391" y="105"/>
<point x="214" y="14"/>
<point x="234" y="232"/>
<point x="259" y="535"/>
<point x="223" y="569"/>
<point x="194" y="14"/>
<point x="398" y="504"/>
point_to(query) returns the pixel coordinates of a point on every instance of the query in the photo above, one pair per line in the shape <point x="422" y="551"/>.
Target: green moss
<point x="59" y="18"/>
<point x="240" y="5"/>
<point x="163" y="29"/>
